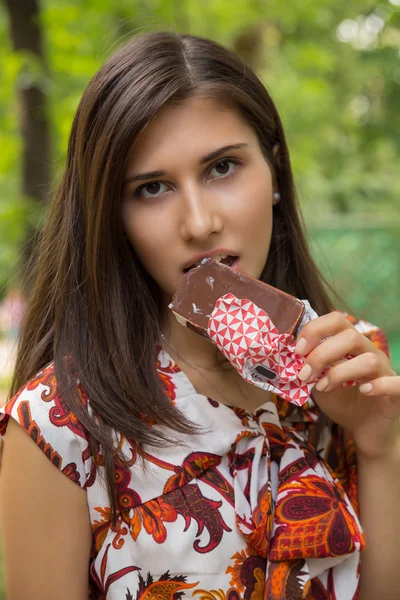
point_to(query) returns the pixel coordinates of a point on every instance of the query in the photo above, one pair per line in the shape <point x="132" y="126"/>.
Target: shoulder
<point x="41" y="412"/>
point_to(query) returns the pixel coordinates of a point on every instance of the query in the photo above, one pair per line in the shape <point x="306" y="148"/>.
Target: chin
<point x="252" y="272"/>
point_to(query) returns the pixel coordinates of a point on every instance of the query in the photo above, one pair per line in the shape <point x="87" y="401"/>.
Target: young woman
<point x="174" y="477"/>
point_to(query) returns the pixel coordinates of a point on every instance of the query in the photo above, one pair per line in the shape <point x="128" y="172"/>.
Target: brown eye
<point x="222" y="167"/>
<point x="151" y="190"/>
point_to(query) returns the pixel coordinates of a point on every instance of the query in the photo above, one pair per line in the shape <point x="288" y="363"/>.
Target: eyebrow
<point x="211" y="156"/>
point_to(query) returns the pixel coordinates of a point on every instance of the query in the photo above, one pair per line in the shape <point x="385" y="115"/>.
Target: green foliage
<point x="361" y="262"/>
<point x="332" y="67"/>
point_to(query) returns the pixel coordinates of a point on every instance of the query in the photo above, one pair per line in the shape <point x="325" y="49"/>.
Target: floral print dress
<point x="249" y="509"/>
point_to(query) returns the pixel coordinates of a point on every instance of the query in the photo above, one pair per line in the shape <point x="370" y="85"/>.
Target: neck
<point x="191" y="347"/>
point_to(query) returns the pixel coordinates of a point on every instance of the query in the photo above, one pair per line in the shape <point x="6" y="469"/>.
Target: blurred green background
<point x="332" y="67"/>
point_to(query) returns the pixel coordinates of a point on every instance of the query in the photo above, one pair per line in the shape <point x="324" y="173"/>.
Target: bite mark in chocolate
<point x="202" y="286"/>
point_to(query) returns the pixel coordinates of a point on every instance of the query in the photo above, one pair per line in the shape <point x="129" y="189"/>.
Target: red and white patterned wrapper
<point x="250" y="341"/>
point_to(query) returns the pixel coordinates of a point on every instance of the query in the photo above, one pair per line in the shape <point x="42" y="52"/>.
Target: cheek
<point x="138" y="226"/>
<point x="250" y="202"/>
<point x="149" y="235"/>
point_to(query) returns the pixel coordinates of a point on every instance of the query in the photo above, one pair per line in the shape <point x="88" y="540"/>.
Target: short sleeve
<point x="40" y="411"/>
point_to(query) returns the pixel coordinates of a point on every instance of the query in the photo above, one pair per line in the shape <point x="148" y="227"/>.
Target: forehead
<point x="191" y="129"/>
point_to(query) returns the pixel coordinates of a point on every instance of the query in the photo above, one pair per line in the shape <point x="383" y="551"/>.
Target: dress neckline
<point x="191" y="390"/>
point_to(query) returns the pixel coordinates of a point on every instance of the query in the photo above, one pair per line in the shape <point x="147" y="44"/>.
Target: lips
<point x="226" y="259"/>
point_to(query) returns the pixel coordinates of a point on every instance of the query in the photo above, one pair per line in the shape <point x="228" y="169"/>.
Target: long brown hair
<point x="94" y="310"/>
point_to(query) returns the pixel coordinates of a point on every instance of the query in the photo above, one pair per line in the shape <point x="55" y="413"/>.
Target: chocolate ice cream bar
<point x="202" y="286"/>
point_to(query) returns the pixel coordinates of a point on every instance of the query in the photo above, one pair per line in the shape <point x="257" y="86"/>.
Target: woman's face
<point x="197" y="183"/>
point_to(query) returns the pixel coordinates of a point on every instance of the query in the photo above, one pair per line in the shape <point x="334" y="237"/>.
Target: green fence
<point x="361" y="260"/>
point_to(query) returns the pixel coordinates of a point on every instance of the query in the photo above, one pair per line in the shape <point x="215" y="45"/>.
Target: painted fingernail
<point x="365" y="388"/>
<point x="301" y="346"/>
<point x="322" y="384"/>
<point x="305" y="373"/>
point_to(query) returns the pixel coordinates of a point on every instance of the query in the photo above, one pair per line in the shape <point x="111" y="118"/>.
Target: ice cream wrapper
<point x="247" y="337"/>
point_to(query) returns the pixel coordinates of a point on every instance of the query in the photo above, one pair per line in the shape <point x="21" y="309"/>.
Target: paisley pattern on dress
<point x="165" y="588"/>
<point x="164" y="373"/>
<point x="312" y="520"/>
<point x="250" y="509"/>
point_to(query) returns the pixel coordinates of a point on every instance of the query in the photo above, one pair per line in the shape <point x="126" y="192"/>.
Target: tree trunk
<point x="26" y="35"/>
<point x="249" y="44"/>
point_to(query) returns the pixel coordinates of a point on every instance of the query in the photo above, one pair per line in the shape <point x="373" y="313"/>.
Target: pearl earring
<point x="276" y="196"/>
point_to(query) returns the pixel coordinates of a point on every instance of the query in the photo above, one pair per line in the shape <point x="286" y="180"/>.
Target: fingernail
<point x="322" y="384"/>
<point x="301" y="346"/>
<point x="365" y="388"/>
<point x="305" y="373"/>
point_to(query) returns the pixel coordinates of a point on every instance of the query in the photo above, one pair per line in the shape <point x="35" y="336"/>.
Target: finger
<point x="383" y="386"/>
<point x="320" y="328"/>
<point x="332" y="350"/>
<point x="368" y="366"/>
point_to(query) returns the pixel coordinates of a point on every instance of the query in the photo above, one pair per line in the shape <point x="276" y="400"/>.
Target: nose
<point x="200" y="215"/>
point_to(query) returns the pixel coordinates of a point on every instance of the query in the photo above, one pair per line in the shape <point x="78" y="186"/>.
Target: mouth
<point x="225" y="259"/>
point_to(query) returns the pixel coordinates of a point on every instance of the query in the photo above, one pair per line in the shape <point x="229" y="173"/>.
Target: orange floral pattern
<point x="329" y="530"/>
<point x="247" y="510"/>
